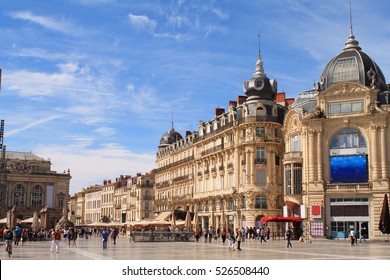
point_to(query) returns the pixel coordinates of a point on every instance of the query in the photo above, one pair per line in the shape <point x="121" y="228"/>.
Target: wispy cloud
<point x="33" y="124"/>
<point x="142" y="22"/>
<point x="36" y="84"/>
<point x="46" y="22"/>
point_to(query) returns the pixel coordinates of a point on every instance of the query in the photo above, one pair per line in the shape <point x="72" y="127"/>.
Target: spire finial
<point x="350" y="19"/>
<point x="172" y="119"/>
<point x="351" y="42"/>
<point x="259" y="65"/>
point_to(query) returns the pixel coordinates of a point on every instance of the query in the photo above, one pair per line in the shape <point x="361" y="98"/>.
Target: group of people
<point x="233" y="236"/>
<point x="354" y="236"/>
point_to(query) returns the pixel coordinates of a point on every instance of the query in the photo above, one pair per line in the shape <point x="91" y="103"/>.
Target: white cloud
<point x="220" y="14"/>
<point x="142" y="22"/>
<point x="106" y="131"/>
<point x="92" y="166"/>
<point x="69" y="68"/>
<point x="47" y="22"/>
<point x="35" y="84"/>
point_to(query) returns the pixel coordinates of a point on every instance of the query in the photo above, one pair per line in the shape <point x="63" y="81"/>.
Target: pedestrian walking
<point x="223" y="235"/>
<point x="114" y="234"/>
<point x="206" y="234"/>
<point x="362" y="232"/>
<point x="268" y="232"/>
<point x="232" y="240"/>
<point x="352" y="236"/>
<point x="55" y="243"/>
<point x="69" y="237"/>
<point x="211" y="233"/>
<point x="356" y="235"/>
<point x="17" y="235"/>
<point x="289" y="235"/>
<point x="238" y="239"/>
<point x="74" y="237"/>
<point x="262" y="235"/>
<point x="104" y="238"/>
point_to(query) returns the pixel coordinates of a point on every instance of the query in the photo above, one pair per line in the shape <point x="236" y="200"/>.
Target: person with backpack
<point x="104" y="238"/>
<point x="18" y="235"/>
<point x="55" y="243"/>
<point x="8" y="237"/>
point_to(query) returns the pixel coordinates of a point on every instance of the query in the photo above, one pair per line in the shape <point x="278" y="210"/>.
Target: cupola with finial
<point x="259" y="86"/>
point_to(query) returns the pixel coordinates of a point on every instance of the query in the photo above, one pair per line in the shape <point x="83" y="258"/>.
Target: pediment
<point x="343" y="90"/>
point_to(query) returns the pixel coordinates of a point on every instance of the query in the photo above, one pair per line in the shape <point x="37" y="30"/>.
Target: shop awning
<point x="280" y="219"/>
<point x="164" y="215"/>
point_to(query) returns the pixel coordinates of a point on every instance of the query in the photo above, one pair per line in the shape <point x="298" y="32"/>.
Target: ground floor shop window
<point x="317" y="229"/>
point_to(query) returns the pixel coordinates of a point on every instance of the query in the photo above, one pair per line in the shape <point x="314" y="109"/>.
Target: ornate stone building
<point x="140" y="196"/>
<point x="336" y="163"/>
<point x="230" y="170"/>
<point x="29" y="185"/>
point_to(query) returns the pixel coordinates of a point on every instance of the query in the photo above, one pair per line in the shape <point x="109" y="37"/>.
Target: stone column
<point x="374" y="152"/>
<point x="251" y="166"/>
<point x="247" y="166"/>
<point x="319" y="156"/>
<point x="311" y="155"/>
<point x="384" y="153"/>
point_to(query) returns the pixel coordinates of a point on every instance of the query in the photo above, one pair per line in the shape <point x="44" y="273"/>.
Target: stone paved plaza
<point x="91" y="249"/>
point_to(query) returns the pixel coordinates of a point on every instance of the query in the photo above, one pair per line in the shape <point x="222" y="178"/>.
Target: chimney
<point x="219" y="111"/>
<point x="241" y="99"/>
<point x="188" y="133"/>
<point x="232" y="103"/>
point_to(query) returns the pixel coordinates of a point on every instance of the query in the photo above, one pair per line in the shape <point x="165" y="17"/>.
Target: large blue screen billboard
<point x="349" y="169"/>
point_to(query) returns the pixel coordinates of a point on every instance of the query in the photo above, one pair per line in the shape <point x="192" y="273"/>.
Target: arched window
<point x="36" y="196"/>
<point x="348" y="166"/>
<point x="348" y="138"/>
<point x="19" y="195"/>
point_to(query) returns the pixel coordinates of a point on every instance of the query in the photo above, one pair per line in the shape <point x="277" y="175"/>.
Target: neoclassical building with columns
<point x="29" y="185"/>
<point x="323" y="157"/>
<point x="230" y="170"/>
<point x="336" y="163"/>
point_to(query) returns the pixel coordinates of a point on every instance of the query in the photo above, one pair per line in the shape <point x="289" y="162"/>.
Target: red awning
<point x="280" y="219"/>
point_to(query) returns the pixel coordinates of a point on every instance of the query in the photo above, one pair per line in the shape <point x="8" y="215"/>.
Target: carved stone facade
<point x="230" y="170"/>
<point x="29" y="185"/>
<point x="336" y="162"/>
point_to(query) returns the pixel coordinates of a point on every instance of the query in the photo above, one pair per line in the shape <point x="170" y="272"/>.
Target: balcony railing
<point x="260" y="161"/>
<point x="180" y="178"/>
<point x="212" y="150"/>
<point x="348" y="186"/>
<point x="261" y="119"/>
<point x="293" y="155"/>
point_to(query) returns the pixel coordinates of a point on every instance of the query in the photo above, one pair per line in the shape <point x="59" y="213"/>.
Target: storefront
<point x="349" y="213"/>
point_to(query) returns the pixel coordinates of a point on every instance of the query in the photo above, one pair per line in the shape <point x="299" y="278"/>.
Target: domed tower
<point x="352" y="65"/>
<point x="169" y="138"/>
<point x="260" y="87"/>
<point x="261" y="92"/>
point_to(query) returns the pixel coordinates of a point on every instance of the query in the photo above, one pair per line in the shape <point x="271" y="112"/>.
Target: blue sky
<point x="93" y="84"/>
